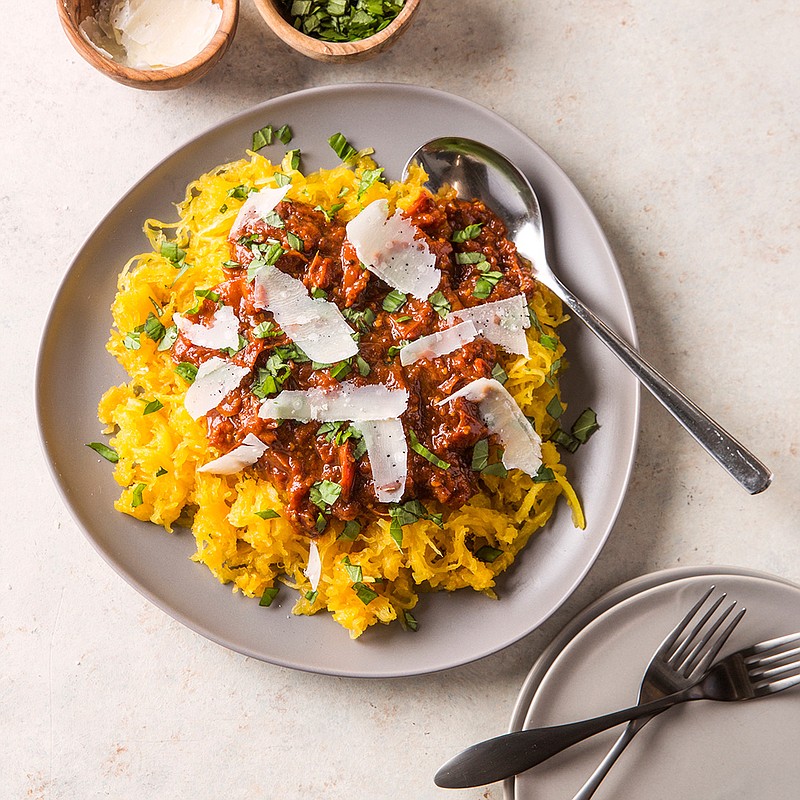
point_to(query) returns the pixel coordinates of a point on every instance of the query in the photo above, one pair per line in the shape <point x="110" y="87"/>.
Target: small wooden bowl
<point x="273" y="13"/>
<point x="73" y="12"/>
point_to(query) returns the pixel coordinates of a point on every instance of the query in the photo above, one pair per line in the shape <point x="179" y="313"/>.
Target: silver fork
<point x="757" y="671"/>
<point x="677" y="665"/>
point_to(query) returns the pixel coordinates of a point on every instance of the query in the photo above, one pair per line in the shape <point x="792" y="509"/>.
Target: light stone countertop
<point x="679" y="122"/>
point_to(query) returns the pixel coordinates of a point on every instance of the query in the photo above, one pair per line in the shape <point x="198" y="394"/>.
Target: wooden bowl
<point x="73" y="12"/>
<point x="273" y="13"/>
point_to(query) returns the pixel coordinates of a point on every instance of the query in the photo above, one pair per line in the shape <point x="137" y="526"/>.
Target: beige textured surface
<point x="680" y="125"/>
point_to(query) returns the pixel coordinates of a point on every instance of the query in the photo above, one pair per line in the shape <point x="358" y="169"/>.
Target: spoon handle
<point x="742" y="465"/>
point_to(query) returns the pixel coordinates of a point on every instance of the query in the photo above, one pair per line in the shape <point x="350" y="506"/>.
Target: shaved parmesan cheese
<point x="345" y="402"/>
<point x="502" y="322"/>
<point x="389" y="248"/>
<point x="215" y="379"/>
<point x="388" y="456"/>
<point x="152" y="34"/>
<point x="257" y="206"/>
<point x="522" y="446"/>
<point x="438" y="344"/>
<point x="316" y="326"/>
<point x="221" y="333"/>
<point x="247" y="453"/>
<point x="314" y="569"/>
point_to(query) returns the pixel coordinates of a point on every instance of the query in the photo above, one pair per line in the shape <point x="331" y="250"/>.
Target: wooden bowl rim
<point x="130" y="75"/>
<point x="302" y="41"/>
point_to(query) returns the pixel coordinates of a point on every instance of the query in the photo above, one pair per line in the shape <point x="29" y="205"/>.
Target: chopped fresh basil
<point x="407" y="514"/>
<point x="273" y="218"/>
<point x="187" y="371"/>
<point x="566" y="440"/>
<point x="266" y="330"/>
<point x="420" y="449"/>
<point x="368" y="177"/>
<point x="268" y="596"/>
<point x="136" y="497"/>
<point x="108" y="453"/>
<point x="293" y="157"/>
<point x="363" y="367"/>
<point x="154" y="328"/>
<point x="312" y="596"/>
<point x="207" y="294"/>
<point x="322" y="523"/>
<point x="499" y="374"/>
<point x="394" y="301"/>
<point x="284" y="134"/>
<point x="360" y="448"/>
<point x="319" y="294"/>
<point x="295" y="242"/>
<point x="262" y="137"/>
<point x="487" y="280"/>
<point x="480" y="455"/>
<point x="331" y="212"/>
<point x="281" y="179"/>
<point x="342" y="147"/>
<point x="161" y="471"/>
<point x="497" y="469"/>
<point x="354" y="571"/>
<point x="170" y="335"/>
<point x="488" y="554"/>
<point x="132" y="339"/>
<point x="480" y="461"/>
<point x="440" y="304"/>
<point x="470" y="232"/>
<point x="550" y="342"/>
<point x="544" y="475"/>
<point x="470" y="258"/>
<point x="410" y="621"/>
<point x="361" y="320"/>
<point x="172" y="252"/>
<point x="554" y="407"/>
<point x="341" y="370"/>
<point x="585" y="425"/>
<point x="152" y="407"/>
<point x="351" y="530"/>
<point x="223" y="209"/>
<point x="267" y="513"/>
<point x="396" y="348"/>
<point x="324" y="494"/>
<point x="240" y="192"/>
<point x="364" y="593"/>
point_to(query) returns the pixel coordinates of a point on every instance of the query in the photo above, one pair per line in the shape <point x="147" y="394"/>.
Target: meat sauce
<point x="298" y="455"/>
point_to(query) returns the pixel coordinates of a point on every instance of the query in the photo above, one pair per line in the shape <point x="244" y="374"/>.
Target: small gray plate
<point x="74" y="370"/>
<point x="697" y="750"/>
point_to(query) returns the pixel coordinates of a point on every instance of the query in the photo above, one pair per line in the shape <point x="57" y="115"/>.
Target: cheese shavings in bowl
<point x="152" y="34"/>
<point x="348" y="387"/>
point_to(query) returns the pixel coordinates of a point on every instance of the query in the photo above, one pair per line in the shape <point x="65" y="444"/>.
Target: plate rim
<point x="596" y="609"/>
<point x="624" y="310"/>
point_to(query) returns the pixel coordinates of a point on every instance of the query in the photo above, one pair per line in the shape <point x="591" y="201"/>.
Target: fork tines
<point x="774" y="665"/>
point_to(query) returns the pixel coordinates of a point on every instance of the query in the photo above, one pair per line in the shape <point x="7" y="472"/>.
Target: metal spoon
<point x="475" y="170"/>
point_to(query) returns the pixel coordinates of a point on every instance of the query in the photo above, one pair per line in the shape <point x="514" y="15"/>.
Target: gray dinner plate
<point x="697" y="751"/>
<point x="454" y="628"/>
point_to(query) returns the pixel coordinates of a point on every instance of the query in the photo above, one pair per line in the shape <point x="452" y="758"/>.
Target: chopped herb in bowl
<point x="341" y="20"/>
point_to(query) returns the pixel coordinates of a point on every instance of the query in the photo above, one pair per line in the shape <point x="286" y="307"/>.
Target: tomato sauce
<point x="298" y="455"/>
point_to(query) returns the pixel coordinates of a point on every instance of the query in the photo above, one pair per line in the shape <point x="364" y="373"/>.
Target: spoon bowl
<point x="476" y="170"/>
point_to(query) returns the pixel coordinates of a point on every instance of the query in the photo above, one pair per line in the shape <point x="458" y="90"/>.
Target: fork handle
<point x="730" y="454"/>
<point x="596" y="778"/>
<point x="512" y="753"/>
